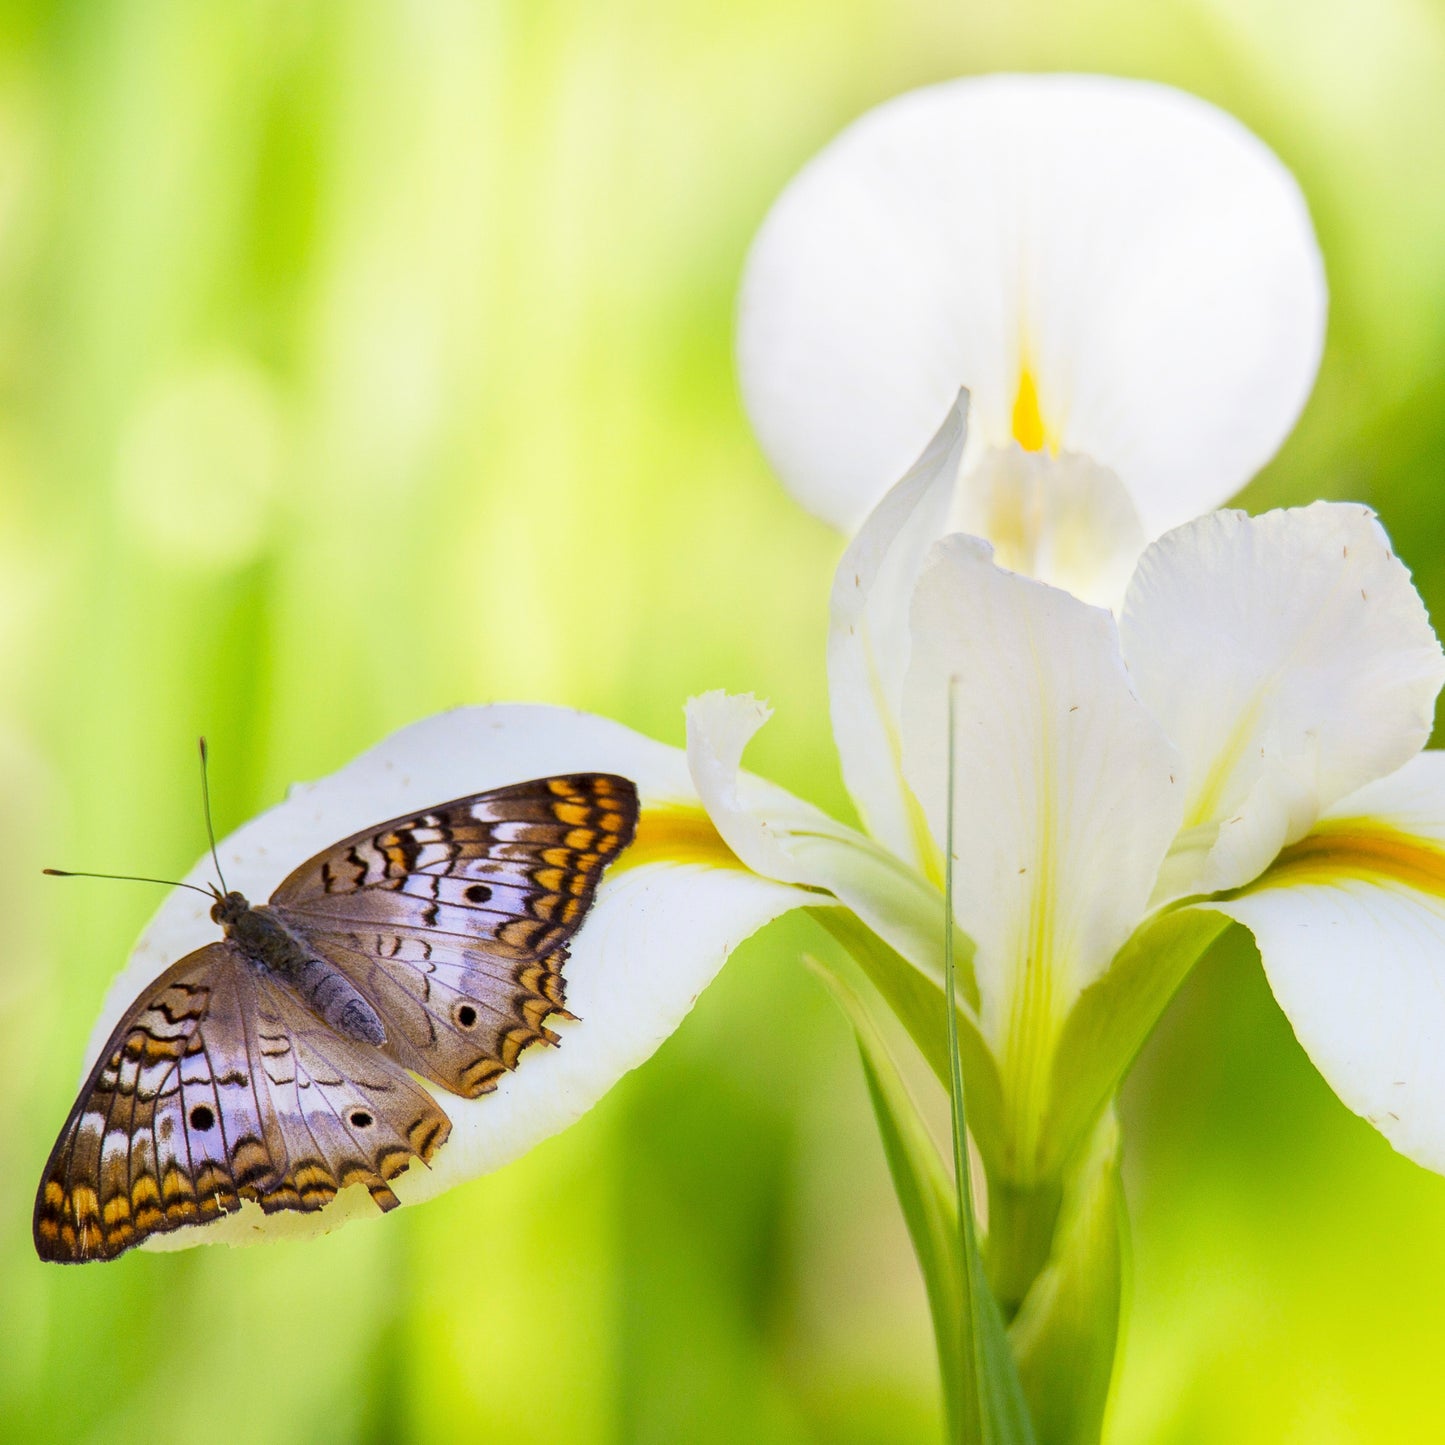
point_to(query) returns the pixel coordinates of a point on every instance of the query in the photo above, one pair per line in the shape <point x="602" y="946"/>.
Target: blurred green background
<point x="338" y="342"/>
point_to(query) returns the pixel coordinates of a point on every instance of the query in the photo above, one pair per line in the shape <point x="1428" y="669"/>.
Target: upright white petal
<point x="1291" y="661"/>
<point x="1112" y="268"/>
<point x="1062" y="519"/>
<point x="1350" y="924"/>
<point x="869" y="639"/>
<point x="1066" y="790"/>
<point x="664" y="920"/>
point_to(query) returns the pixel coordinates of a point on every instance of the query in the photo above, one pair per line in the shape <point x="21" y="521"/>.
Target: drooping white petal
<point x="1350" y="924"/>
<point x="758" y="827"/>
<point x="1112" y="268"/>
<point x="657" y="933"/>
<point x="779" y="836"/>
<point x="1290" y="660"/>
<point x="869" y="639"/>
<point x="1066" y="790"/>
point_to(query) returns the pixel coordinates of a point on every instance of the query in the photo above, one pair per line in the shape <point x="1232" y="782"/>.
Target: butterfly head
<point x="228" y="907"/>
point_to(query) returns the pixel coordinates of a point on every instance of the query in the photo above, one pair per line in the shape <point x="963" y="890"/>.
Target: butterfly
<point x="280" y="1064"/>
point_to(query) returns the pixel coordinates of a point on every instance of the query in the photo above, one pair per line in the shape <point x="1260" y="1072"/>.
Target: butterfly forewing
<point x="129" y="1162"/>
<point x="454" y="921"/>
<point x="193" y="1106"/>
<point x="531" y="853"/>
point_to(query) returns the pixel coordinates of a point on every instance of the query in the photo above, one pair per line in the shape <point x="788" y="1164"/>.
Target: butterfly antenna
<point x="126" y="878"/>
<point x="206" y="802"/>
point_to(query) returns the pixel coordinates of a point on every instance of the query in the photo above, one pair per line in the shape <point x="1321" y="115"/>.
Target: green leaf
<point x="1111" y="1019"/>
<point x="919" y="1003"/>
<point x="982" y="1393"/>
<point x="1066" y="1334"/>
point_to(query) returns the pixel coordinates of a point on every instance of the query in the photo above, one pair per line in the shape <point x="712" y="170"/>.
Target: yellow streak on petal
<point x="930" y="858"/>
<point x="677" y="833"/>
<point x="1037" y="966"/>
<point x="1346" y="848"/>
<point x="1028" y="421"/>
<point x="1208" y="802"/>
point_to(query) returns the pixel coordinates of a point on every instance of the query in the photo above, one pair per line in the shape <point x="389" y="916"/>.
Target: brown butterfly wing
<point x="345" y="1113"/>
<point x="454" y="920"/>
<point x="457" y="1016"/>
<point x="127" y="1163"/>
<point x="189" y="1110"/>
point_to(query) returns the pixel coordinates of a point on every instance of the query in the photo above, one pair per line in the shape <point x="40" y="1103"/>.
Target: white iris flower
<point x="1123" y="277"/>
<point x="1127" y="284"/>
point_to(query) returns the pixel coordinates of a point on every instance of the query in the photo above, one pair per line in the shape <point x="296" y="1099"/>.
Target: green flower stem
<point x="1051" y="1264"/>
<point x="1051" y="1260"/>
<point x="1022" y="1220"/>
<point x="983" y="1399"/>
<point x="1065" y="1335"/>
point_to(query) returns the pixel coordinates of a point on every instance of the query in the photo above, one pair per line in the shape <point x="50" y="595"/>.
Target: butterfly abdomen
<point x="321" y="986"/>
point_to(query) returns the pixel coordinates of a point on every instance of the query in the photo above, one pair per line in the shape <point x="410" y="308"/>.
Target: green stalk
<point x="1022" y="1219"/>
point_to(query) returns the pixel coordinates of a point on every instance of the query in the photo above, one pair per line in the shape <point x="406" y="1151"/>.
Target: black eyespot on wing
<point x="466" y="1015"/>
<point x="202" y="1118"/>
<point x="360" y="1119"/>
<point x="478" y="893"/>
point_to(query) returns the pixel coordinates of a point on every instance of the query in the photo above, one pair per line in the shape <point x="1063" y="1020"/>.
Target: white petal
<point x="1290" y="659"/>
<point x="1065" y="796"/>
<point x="657" y="933"/>
<point x="1062" y="519"/>
<point x="1351" y="927"/>
<point x="1145" y="259"/>
<point x="758" y="829"/>
<point x="868" y="639"/>
<point x="1410" y="800"/>
<point x="782" y="837"/>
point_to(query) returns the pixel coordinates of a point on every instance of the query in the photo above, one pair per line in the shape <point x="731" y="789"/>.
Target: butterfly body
<point x="261" y="934"/>
<point x="283" y="1062"/>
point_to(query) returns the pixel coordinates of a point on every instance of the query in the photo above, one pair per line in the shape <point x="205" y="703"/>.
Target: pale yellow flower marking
<point x="1349" y="848"/>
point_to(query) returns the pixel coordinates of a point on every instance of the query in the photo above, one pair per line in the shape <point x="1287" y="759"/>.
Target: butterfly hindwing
<point x="454" y="921"/>
<point x="454" y="1014"/>
<point x="345" y="1112"/>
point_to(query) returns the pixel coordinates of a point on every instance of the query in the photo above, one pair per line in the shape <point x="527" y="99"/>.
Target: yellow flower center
<point x="677" y="833"/>
<point x="1028" y="420"/>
